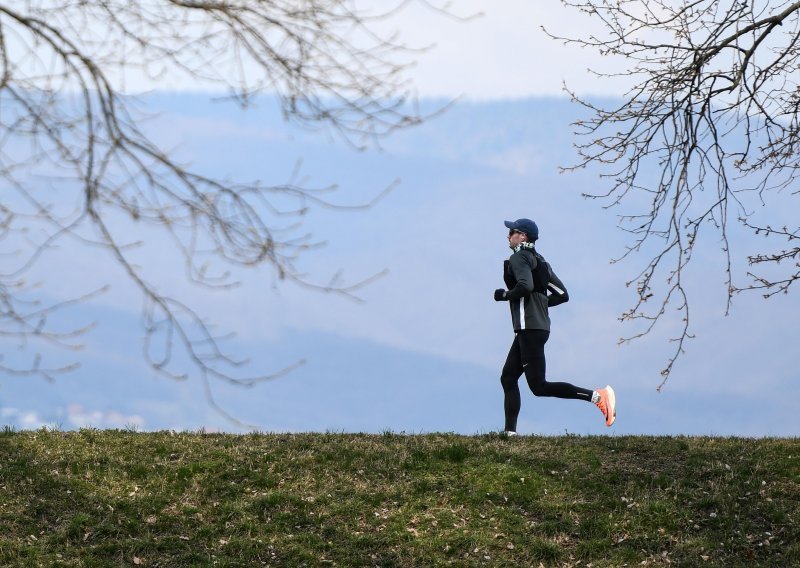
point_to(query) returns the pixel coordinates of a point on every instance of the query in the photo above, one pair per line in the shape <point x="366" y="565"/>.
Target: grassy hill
<point x="114" y="498"/>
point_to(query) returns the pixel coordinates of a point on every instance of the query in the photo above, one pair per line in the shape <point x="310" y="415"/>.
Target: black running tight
<point x="527" y="356"/>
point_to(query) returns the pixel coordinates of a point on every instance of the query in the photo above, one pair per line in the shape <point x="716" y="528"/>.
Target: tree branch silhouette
<point x="74" y="158"/>
<point x="712" y="108"/>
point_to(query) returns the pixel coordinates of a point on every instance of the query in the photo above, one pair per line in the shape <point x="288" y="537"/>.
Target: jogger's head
<point x="521" y="231"/>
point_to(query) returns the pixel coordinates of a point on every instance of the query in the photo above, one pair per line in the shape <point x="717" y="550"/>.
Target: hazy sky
<point x="425" y="350"/>
<point x="503" y="52"/>
<point x="484" y="51"/>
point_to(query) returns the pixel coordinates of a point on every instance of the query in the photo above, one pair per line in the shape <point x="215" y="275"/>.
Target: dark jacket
<point x="532" y="288"/>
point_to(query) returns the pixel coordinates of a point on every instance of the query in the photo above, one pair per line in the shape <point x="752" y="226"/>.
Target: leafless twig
<point x="69" y="135"/>
<point x="709" y="127"/>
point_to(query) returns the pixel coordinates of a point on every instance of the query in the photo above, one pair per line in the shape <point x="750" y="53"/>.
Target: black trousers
<point x="527" y="356"/>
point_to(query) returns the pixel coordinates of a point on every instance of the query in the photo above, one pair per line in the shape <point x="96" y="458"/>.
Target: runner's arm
<point x="523" y="272"/>
<point x="557" y="291"/>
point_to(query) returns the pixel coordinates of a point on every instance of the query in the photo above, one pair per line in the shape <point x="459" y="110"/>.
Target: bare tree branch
<point x="74" y="158"/>
<point x="713" y="110"/>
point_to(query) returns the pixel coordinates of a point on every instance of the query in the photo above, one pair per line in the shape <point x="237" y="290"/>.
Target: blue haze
<point x="424" y="350"/>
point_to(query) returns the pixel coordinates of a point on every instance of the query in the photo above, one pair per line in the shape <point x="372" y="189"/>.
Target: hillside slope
<point x="117" y="498"/>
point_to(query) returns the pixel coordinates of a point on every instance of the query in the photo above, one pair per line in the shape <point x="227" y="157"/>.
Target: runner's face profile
<point x="515" y="238"/>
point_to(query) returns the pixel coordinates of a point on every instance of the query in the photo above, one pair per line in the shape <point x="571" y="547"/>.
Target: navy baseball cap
<point x="524" y="226"/>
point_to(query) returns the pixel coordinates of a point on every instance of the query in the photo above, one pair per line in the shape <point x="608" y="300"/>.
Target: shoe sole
<point x="611" y="401"/>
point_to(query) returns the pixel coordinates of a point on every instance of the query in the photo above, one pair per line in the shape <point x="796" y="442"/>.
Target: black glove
<point x="500" y="295"/>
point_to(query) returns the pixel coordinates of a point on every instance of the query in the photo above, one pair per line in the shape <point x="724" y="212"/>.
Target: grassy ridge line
<point x="112" y="498"/>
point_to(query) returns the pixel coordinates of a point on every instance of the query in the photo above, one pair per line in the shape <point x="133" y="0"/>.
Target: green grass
<point x="121" y="498"/>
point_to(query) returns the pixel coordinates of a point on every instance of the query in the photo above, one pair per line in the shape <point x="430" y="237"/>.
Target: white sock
<point x="595" y="397"/>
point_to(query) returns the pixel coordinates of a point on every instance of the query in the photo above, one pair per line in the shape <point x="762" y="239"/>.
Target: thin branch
<point x="711" y="118"/>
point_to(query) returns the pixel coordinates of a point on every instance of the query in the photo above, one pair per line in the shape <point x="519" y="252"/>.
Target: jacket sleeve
<point x="508" y="277"/>
<point x="523" y="273"/>
<point x="557" y="292"/>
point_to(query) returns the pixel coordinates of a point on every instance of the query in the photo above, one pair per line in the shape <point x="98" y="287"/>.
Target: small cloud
<point x="72" y="417"/>
<point x="78" y="417"/>
<point x="25" y="419"/>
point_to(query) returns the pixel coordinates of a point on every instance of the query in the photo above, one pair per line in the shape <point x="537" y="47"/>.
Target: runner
<point x="533" y="287"/>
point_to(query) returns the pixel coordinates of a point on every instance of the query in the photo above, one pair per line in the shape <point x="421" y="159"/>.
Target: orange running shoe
<point x="607" y="403"/>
